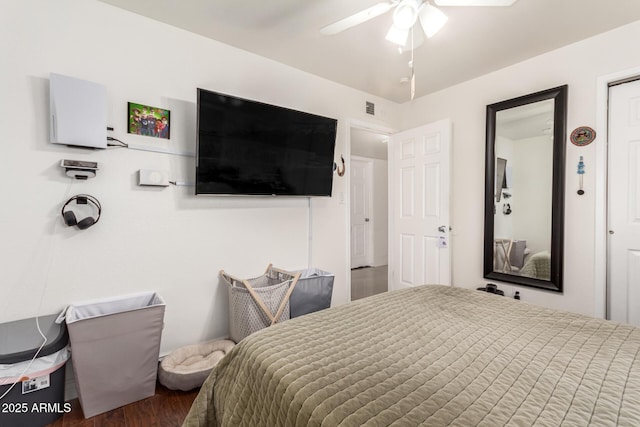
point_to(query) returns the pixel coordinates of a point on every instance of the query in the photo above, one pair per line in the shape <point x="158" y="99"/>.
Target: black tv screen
<point x="247" y="147"/>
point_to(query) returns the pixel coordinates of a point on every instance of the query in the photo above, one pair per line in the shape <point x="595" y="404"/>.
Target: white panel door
<point x="361" y="249"/>
<point x="419" y="206"/>
<point x="624" y="203"/>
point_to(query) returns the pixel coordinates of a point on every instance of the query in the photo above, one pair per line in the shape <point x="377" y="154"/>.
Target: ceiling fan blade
<point x="474" y="2"/>
<point x="357" y="18"/>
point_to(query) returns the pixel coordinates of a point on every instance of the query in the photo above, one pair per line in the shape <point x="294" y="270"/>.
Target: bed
<point x="429" y="355"/>
<point x="538" y="266"/>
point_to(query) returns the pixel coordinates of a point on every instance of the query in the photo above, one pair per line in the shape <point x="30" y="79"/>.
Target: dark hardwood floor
<point x="167" y="408"/>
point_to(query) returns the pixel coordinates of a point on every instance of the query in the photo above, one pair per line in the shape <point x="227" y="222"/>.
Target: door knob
<point x="442" y="228"/>
<point x="366" y="220"/>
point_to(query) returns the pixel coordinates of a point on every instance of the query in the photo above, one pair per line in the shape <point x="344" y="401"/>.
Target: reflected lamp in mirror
<point x="525" y="153"/>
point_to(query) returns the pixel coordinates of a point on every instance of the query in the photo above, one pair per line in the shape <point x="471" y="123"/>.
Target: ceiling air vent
<point x="371" y="108"/>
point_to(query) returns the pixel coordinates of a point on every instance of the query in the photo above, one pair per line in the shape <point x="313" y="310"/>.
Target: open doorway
<point x="369" y="208"/>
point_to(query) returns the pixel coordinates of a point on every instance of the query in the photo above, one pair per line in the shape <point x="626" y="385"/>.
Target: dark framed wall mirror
<point x="524" y="189"/>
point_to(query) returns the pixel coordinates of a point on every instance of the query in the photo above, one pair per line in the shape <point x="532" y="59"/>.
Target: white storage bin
<point x="115" y="348"/>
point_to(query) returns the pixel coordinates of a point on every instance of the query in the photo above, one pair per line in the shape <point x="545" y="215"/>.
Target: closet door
<point x="361" y="244"/>
<point x="624" y="203"/>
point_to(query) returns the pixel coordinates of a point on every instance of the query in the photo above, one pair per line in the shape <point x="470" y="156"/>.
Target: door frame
<point x="601" y="260"/>
<point x="364" y="125"/>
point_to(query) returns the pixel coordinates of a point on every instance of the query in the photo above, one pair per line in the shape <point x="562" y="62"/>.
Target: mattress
<point x="430" y="355"/>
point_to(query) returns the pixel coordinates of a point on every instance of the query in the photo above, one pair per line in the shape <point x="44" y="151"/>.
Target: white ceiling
<point x="475" y="40"/>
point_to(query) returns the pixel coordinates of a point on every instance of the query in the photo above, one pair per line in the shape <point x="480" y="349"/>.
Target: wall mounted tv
<point x="247" y="147"/>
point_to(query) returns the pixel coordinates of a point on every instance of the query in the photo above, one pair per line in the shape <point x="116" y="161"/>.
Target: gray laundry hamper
<point x="312" y="293"/>
<point x="115" y="348"/>
<point x="260" y="302"/>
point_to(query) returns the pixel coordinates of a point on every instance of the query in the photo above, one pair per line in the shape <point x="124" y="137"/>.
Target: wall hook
<point x="336" y="168"/>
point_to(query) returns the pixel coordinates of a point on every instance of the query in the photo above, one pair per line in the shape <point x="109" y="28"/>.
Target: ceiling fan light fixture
<point x="397" y="35"/>
<point x="432" y="20"/>
<point x="415" y="39"/>
<point x="406" y="14"/>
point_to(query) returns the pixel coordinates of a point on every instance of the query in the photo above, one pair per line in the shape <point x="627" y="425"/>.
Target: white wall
<point x="578" y="65"/>
<point x="531" y="204"/>
<point x="173" y="242"/>
<point x="530" y="160"/>
<point x="166" y="240"/>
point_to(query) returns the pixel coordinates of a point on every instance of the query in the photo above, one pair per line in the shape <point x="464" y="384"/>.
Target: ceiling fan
<point x="406" y="14"/>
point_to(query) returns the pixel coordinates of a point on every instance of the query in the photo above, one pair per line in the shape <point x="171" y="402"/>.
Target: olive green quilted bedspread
<point x="434" y="356"/>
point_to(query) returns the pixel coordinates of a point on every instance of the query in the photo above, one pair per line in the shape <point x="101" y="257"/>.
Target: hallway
<point x="367" y="281"/>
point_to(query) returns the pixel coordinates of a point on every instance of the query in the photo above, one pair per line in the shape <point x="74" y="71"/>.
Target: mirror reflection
<point x="524" y="189"/>
<point x="524" y="184"/>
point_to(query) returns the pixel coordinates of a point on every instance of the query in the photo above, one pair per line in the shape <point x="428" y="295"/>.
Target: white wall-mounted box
<point x="78" y="112"/>
<point x="152" y="177"/>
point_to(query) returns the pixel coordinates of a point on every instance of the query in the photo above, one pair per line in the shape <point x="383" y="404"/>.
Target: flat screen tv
<point x="247" y="147"/>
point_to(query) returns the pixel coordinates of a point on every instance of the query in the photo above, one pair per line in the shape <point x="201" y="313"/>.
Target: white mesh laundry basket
<point x="257" y="303"/>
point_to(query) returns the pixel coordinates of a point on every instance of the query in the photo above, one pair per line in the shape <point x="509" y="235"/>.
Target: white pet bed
<point x="186" y="368"/>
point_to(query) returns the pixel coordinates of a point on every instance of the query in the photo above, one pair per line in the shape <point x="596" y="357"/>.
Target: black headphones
<point x="81" y="199"/>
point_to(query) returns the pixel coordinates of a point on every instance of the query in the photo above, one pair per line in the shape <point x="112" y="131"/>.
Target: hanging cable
<point x="413" y="71"/>
<point x="52" y="252"/>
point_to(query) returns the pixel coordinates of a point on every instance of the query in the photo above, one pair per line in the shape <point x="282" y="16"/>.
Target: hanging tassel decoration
<point x="581" y="175"/>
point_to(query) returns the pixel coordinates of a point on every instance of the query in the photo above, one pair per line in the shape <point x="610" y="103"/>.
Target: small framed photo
<point x="148" y="121"/>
